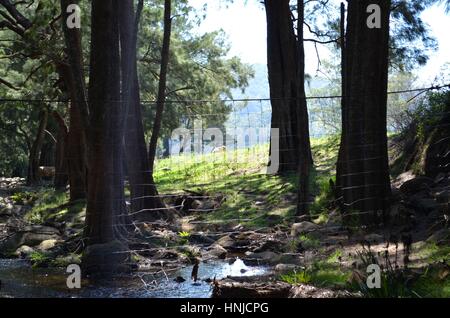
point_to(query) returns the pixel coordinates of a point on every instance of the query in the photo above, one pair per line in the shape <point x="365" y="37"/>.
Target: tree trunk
<point x="73" y="76"/>
<point x="35" y="153"/>
<point x="61" y="156"/>
<point x="162" y="82"/>
<point x="106" y="203"/>
<point x="302" y="122"/>
<point x="364" y="163"/>
<point x="282" y="70"/>
<point x="339" y="167"/>
<point x="145" y="202"/>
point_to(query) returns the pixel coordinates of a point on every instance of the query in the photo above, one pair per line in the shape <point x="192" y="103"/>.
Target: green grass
<point x="53" y="205"/>
<point x="321" y="274"/>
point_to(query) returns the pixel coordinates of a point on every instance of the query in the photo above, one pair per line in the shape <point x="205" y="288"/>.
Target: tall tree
<point x="162" y="82"/>
<point x="282" y="70"/>
<point x="145" y="201"/>
<point x="35" y="151"/>
<point x="105" y="254"/>
<point x="72" y="72"/>
<point x="286" y="69"/>
<point x="302" y="122"/>
<point x="364" y="169"/>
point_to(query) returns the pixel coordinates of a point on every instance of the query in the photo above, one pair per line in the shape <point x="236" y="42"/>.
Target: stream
<point x="19" y="280"/>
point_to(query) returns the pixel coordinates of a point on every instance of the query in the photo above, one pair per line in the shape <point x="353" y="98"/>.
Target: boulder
<point x="201" y="238"/>
<point x="103" y="260"/>
<point x="440" y="236"/>
<point x="30" y="236"/>
<point x="416" y="185"/>
<point x="270" y="245"/>
<point x="425" y="206"/>
<point x="216" y="251"/>
<point x="303" y="228"/>
<point x="402" y="178"/>
<point x="24" y="251"/>
<point x="233" y="244"/>
<point x="47" y="245"/>
<point x="231" y="289"/>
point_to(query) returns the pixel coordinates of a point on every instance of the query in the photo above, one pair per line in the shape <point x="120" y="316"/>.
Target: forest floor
<point x="230" y="209"/>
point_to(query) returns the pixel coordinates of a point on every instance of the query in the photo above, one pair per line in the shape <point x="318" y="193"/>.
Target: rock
<point x="179" y="280"/>
<point x="232" y="289"/>
<point x="270" y="245"/>
<point x="426" y="206"/>
<point x="225" y="241"/>
<point x="440" y="236"/>
<point x="233" y="244"/>
<point x="64" y="261"/>
<point x="103" y="260"/>
<point x="31" y="236"/>
<point x="267" y="257"/>
<point x="308" y="291"/>
<point x="291" y="258"/>
<point x="334" y="219"/>
<point x="443" y="197"/>
<point x="402" y="178"/>
<point x="201" y="238"/>
<point x="415" y="185"/>
<point x="373" y="238"/>
<point x="47" y="244"/>
<point x="24" y="251"/>
<point x="286" y="268"/>
<point x="217" y="251"/>
<point x="303" y="228"/>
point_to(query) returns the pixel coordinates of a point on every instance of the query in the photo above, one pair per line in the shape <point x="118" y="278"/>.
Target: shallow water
<point x="19" y="279"/>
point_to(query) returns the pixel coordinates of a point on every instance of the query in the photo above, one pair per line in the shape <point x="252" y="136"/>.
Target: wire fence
<point x="228" y="176"/>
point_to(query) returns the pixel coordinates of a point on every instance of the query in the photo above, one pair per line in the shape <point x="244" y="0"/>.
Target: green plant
<point x="309" y="242"/>
<point x="39" y="259"/>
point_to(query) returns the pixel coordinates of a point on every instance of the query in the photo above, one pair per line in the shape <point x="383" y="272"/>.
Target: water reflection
<point x="20" y="280"/>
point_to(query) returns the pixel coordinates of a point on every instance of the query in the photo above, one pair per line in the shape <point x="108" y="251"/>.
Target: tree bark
<point x="105" y="254"/>
<point x="339" y="180"/>
<point x="162" y="82"/>
<point x="364" y="163"/>
<point x="61" y="150"/>
<point x="35" y="153"/>
<point x="145" y="202"/>
<point x="282" y="70"/>
<point x="73" y="76"/>
<point x="302" y="122"/>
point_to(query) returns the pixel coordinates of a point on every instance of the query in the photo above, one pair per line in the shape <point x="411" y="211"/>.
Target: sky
<point x="244" y="22"/>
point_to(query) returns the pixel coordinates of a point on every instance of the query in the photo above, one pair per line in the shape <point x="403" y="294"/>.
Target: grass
<point x="321" y="274"/>
<point x="253" y="198"/>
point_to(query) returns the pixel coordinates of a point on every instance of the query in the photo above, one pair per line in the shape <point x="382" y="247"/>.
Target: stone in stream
<point x="216" y="251"/>
<point x="179" y="280"/>
<point x="31" y="235"/>
<point x="228" y="288"/>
